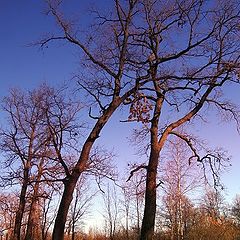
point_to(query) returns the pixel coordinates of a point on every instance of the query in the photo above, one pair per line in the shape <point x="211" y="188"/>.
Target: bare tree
<point x="126" y="208"/>
<point x="64" y="128"/>
<point x="179" y="180"/>
<point x="135" y="189"/>
<point x="108" y="81"/>
<point x="40" y="121"/>
<point x="22" y="142"/>
<point x="212" y="204"/>
<point x="8" y="208"/>
<point x="48" y="212"/>
<point x="111" y="206"/>
<point x="236" y="209"/>
<point x="186" y="76"/>
<point x="132" y="57"/>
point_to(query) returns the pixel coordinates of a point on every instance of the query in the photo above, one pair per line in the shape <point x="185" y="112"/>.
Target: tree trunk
<point x="59" y="225"/>
<point x="21" y="207"/>
<point x="70" y="183"/>
<point x="138" y="213"/>
<point x="74" y="216"/>
<point x="33" y="226"/>
<point x="148" y="222"/>
<point x="127" y="224"/>
<point x="73" y="230"/>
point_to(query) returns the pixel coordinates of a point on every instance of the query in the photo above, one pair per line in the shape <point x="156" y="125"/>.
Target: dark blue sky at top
<point x="23" y="22"/>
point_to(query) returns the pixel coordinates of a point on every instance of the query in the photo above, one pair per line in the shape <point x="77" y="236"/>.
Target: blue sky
<point x="23" y="22"/>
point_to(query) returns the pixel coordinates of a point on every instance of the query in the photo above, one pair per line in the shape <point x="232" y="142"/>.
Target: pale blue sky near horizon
<point x="23" y="22"/>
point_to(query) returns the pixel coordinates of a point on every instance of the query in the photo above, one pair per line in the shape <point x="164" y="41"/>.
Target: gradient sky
<point x="23" y="22"/>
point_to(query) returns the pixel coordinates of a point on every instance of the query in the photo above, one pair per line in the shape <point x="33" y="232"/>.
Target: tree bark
<point x="21" y="207"/>
<point x="33" y="225"/>
<point x="59" y="226"/>
<point x="148" y="222"/>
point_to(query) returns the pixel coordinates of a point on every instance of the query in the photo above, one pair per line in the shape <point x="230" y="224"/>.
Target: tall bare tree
<point x="111" y="209"/>
<point x="186" y="52"/>
<point x="193" y="49"/>
<point x="22" y="142"/>
<point x="126" y="208"/>
<point x="212" y="203"/>
<point x="108" y="80"/>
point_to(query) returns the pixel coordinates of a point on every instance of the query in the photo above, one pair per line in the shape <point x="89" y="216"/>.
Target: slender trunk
<point x="138" y="212"/>
<point x="127" y="224"/>
<point x="45" y="225"/>
<point x="148" y="222"/>
<point x="59" y="225"/>
<point x="74" y="216"/>
<point x="68" y="230"/>
<point x="21" y="207"/>
<point x="180" y="209"/>
<point x="73" y="230"/>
